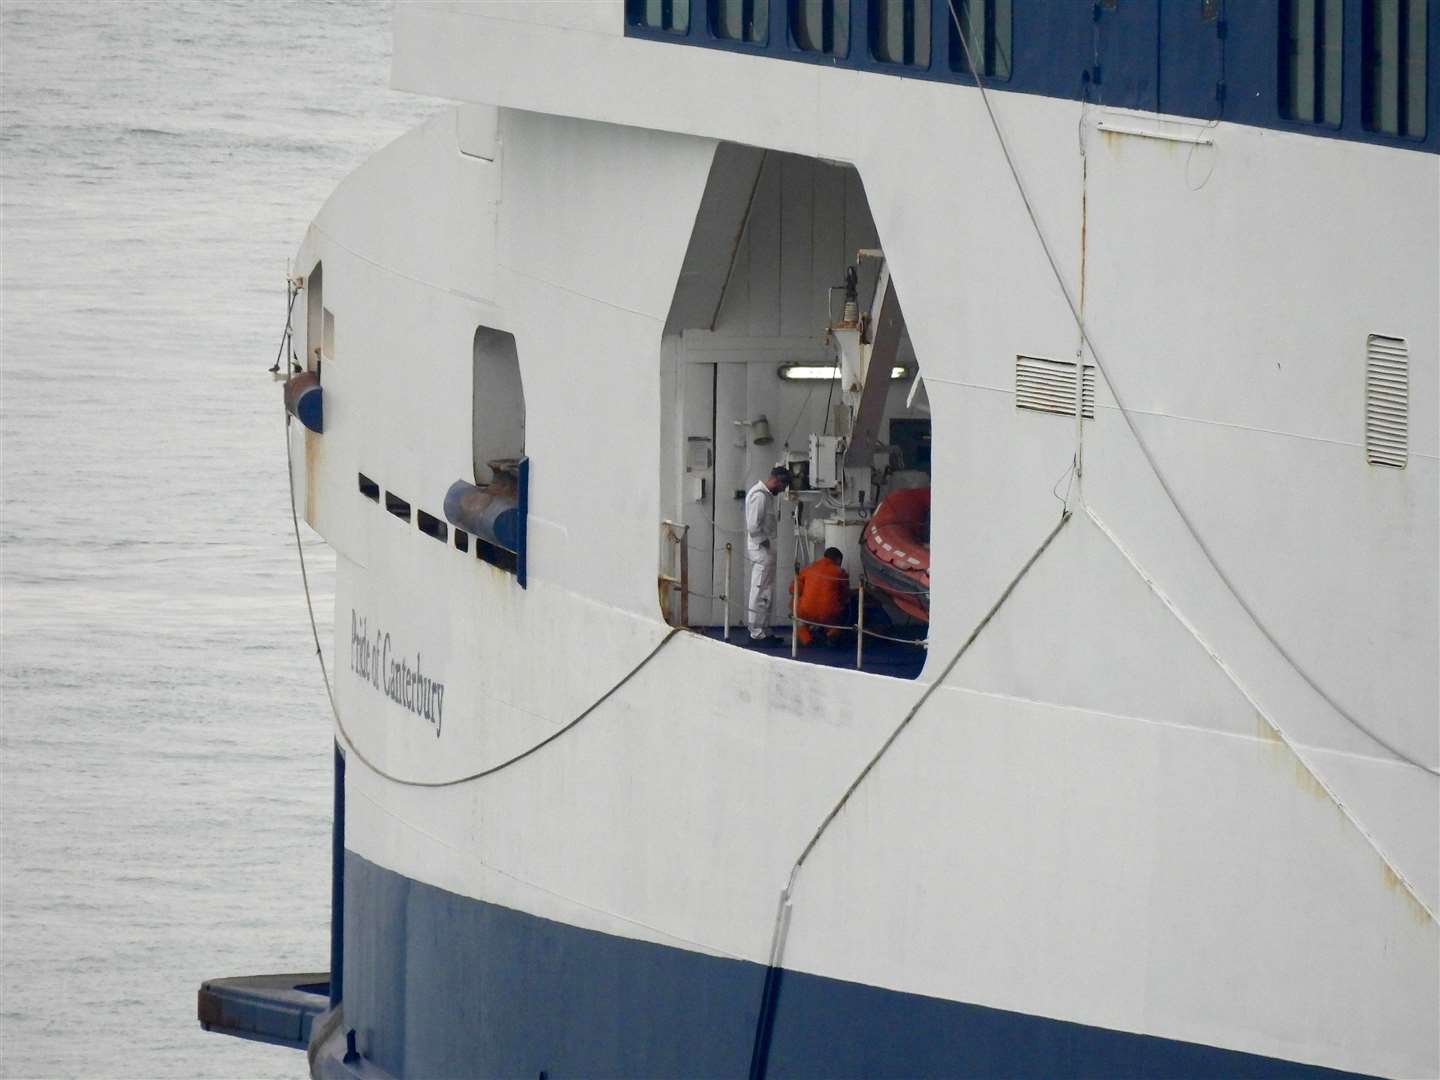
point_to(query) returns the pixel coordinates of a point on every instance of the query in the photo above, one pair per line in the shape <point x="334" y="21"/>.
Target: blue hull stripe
<point x="441" y="985"/>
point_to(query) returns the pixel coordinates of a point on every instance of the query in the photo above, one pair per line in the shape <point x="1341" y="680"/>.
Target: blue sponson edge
<point x="521" y="552"/>
<point x="443" y="985"/>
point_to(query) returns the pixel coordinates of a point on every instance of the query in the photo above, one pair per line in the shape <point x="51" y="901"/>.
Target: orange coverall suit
<point x="822" y="594"/>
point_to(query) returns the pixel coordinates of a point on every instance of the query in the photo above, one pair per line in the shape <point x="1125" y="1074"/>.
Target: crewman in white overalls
<point x="761" y="529"/>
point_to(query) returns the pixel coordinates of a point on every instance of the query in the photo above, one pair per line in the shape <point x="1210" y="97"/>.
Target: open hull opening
<point x="786" y="348"/>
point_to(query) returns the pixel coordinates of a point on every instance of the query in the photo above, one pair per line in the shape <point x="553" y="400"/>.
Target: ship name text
<point x="377" y="662"/>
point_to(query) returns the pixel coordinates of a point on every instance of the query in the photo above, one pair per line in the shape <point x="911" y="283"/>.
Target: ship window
<point x="498" y="557"/>
<point x="369" y="488"/>
<point x="498" y="402"/>
<point x="397" y="506"/>
<point x="821" y="26"/>
<point x="900" y="31"/>
<point x="462" y="540"/>
<point x="1392" y="50"/>
<point x="671" y="15"/>
<point x="741" y="20"/>
<point x="986" y="26"/>
<point x="1309" y="53"/>
<point x="498" y="449"/>
<point x="314" y="315"/>
<point x="430" y="525"/>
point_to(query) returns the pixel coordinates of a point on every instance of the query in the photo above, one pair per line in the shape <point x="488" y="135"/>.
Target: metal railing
<point x="858" y="626"/>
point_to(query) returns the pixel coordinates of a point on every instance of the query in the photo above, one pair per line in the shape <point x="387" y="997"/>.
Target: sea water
<point x="165" y="741"/>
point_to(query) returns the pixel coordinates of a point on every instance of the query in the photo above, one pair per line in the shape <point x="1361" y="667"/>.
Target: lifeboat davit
<point x="896" y="552"/>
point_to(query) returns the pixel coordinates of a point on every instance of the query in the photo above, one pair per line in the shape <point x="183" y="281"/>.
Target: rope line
<point x="285" y="334"/>
<point x="305" y="577"/>
<point x="329" y="692"/>
<point x="1145" y="450"/>
<point x="1244" y="692"/>
<point x="924" y="697"/>
<point x="759" y="1053"/>
<point x="923" y="642"/>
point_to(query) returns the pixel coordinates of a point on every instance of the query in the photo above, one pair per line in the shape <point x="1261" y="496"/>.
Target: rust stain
<point x="1396" y="884"/>
<point x="1308" y="782"/>
<point x="312" y="456"/>
<point x="1305" y="780"/>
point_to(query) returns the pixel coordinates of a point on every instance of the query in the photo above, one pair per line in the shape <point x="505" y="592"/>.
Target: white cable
<point x="777" y="942"/>
<point x="1145" y="451"/>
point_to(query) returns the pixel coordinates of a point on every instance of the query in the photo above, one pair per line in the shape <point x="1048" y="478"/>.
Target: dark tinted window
<point x="900" y="31"/>
<point x="673" y="15"/>
<point x="1393" y="66"/>
<point x="821" y="26"/>
<point x="986" y="26"/>
<point x="1309" y="61"/>
<point x="741" y="20"/>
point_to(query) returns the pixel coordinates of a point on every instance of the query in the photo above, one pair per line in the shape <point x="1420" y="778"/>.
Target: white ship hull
<point x="1123" y="832"/>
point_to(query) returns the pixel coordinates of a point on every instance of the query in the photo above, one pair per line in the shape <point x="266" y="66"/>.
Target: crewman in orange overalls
<point x="822" y="595"/>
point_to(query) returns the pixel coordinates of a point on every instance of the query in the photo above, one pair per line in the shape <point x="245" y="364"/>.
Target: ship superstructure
<point x="1146" y="786"/>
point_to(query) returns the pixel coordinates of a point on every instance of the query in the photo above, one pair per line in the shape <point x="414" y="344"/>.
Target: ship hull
<point x="451" y="986"/>
<point x="1109" y="827"/>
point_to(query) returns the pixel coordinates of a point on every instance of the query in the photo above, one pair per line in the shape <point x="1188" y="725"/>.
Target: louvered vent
<point x="1387" y="401"/>
<point x="1049" y="386"/>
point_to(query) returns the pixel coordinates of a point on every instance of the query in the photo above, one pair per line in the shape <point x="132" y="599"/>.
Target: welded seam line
<point x="1260" y="710"/>
<point x="393" y="272"/>
<point x="660" y="935"/>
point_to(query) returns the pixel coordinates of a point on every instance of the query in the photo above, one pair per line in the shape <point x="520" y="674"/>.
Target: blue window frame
<point x="672" y="16"/>
<point x="986" y="25"/>
<point x="741" y="20"/>
<point x="821" y="26"/>
<point x="900" y="32"/>
<point x="1392" y="66"/>
<point x="1311" y="45"/>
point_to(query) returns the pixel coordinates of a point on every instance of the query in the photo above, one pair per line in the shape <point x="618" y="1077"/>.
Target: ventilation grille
<point x="1049" y="386"/>
<point x="1387" y="401"/>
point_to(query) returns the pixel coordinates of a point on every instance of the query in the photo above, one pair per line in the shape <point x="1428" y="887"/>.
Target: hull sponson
<point x="443" y="985"/>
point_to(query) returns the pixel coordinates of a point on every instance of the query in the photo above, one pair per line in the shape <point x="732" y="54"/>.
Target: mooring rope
<point x="350" y="743"/>
<point x="760" y="1050"/>
<point x="1145" y="450"/>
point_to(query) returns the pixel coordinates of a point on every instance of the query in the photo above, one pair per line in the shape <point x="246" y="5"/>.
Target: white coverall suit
<point x="761" y="530"/>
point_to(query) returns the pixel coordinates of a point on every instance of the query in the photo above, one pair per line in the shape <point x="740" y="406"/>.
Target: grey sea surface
<point x="165" y="742"/>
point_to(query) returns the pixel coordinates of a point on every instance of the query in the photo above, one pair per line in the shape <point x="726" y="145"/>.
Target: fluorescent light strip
<point x="824" y="372"/>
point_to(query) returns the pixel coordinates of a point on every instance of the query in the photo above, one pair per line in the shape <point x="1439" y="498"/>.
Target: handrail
<point x="858" y="626"/>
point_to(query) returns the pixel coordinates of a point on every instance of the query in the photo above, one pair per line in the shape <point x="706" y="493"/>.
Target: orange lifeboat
<point x="896" y="552"/>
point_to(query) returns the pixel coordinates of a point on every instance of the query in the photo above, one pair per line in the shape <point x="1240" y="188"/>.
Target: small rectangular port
<point x="462" y="540"/>
<point x="495" y="556"/>
<point x="397" y="506"/>
<point x="369" y="488"/>
<point x="430" y="525"/>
